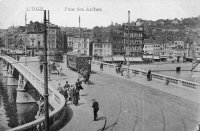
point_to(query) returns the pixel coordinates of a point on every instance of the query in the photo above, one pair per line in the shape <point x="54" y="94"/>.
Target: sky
<point x="67" y="12"/>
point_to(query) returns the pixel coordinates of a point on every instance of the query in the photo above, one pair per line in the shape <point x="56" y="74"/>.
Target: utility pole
<point x="128" y="44"/>
<point x="79" y="32"/>
<point x="46" y="102"/>
<point x="25" y="40"/>
<point x="49" y="45"/>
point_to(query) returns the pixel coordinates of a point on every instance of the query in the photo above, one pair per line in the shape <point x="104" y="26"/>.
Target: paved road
<point x="130" y="106"/>
<point x="133" y="107"/>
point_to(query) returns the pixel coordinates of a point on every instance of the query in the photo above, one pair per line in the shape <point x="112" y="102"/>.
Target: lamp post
<point x="46" y="104"/>
<point x="48" y="21"/>
<point x="25" y="41"/>
<point x="128" y="44"/>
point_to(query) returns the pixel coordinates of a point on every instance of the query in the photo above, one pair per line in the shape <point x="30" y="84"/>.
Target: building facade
<point x="196" y="48"/>
<point x="133" y="39"/>
<point x="81" y="44"/>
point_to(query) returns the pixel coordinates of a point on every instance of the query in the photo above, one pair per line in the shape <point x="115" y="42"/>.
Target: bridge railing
<point x="56" y="100"/>
<point x="164" y="78"/>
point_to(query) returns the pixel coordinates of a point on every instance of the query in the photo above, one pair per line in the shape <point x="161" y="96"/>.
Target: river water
<point x="13" y="114"/>
<point x="170" y="70"/>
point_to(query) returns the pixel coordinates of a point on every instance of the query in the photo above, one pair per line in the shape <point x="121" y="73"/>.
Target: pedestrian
<point x="95" y="107"/>
<point x="60" y="70"/>
<point x="149" y="76"/>
<point x="60" y="89"/>
<point x="121" y="71"/>
<point x="78" y="85"/>
<point x="87" y="77"/>
<point x="41" y="106"/>
<point x="167" y="82"/>
<point x="71" y="89"/>
<point x="67" y="86"/>
<point x="75" y="97"/>
<point x="18" y="57"/>
<point x="41" y="68"/>
<point x="101" y="67"/>
<point x="65" y="93"/>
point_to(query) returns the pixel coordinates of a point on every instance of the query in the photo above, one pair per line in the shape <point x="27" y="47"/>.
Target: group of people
<point x="53" y="66"/>
<point x="119" y="69"/>
<point x="71" y="92"/>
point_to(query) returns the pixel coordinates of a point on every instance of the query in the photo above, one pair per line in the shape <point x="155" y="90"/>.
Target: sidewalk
<point x="186" y="93"/>
<point x="81" y="115"/>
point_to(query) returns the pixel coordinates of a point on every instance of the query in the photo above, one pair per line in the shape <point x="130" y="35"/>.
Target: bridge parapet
<point x="56" y="100"/>
<point x="164" y="78"/>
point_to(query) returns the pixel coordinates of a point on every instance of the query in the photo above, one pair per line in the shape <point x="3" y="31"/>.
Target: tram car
<point x="79" y="62"/>
<point x="56" y="56"/>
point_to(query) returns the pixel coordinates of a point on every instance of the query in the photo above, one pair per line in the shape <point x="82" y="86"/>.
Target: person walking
<point x="60" y="89"/>
<point x="65" y="93"/>
<point x="41" y="107"/>
<point x="121" y="71"/>
<point x="67" y="86"/>
<point x="78" y="85"/>
<point x="87" y="77"/>
<point x="60" y="70"/>
<point x="101" y="67"/>
<point x="71" y="92"/>
<point x="149" y="76"/>
<point x="41" y="68"/>
<point x="18" y="57"/>
<point x="75" y="97"/>
<point x="95" y="107"/>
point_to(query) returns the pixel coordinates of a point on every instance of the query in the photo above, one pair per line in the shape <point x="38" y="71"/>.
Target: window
<point x="85" y="45"/>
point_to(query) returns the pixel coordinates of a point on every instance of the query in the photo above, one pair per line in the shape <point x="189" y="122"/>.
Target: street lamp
<point x="25" y="41"/>
<point x="48" y="39"/>
<point x="46" y="77"/>
<point x="128" y="44"/>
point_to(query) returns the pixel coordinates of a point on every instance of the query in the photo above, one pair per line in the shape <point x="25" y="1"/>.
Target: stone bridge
<point x="24" y="74"/>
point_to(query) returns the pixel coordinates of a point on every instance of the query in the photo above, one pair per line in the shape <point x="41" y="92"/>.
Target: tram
<point x="79" y="62"/>
<point x="56" y="56"/>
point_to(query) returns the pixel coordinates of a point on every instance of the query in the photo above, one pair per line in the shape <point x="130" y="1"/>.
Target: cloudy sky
<point x="66" y="12"/>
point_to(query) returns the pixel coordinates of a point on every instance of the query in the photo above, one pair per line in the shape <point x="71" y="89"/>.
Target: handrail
<point x="56" y="100"/>
<point x="176" y="81"/>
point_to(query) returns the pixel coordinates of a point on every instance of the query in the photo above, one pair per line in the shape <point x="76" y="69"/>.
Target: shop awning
<point x="147" y="56"/>
<point x="118" y="58"/>
<point x="107" y="59"/>
<point x="137" y="59"/>
<point x="156" y="57"/>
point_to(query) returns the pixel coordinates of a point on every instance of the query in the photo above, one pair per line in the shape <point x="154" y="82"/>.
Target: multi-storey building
<point x="117" y="39"/>
<point x="148" y="48"/>
<point x="178" y="48"/>
<point x="164" y="51"/>
<point x="70" y="40"/>
<point x="197" y="48"/>
<point x="133" y="39"/>
<point x="81" y="44"/>
<point x="54" y="37"/>
<point x="101" y="44"/>
<point x="34" y="38"/>
<point x="189" y="49"/>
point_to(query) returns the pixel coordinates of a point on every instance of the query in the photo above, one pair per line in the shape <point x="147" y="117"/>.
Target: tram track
<point x="136" y="121"/>
<point x="113" y="126"/>
<point x="160" y="113"/>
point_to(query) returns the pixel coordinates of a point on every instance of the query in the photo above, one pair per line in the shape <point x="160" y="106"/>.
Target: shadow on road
<point x="64" y="119"/>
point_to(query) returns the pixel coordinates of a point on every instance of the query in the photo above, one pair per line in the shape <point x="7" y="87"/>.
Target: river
<point x="170" y="70"/>
<point x="13" y="114"/>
